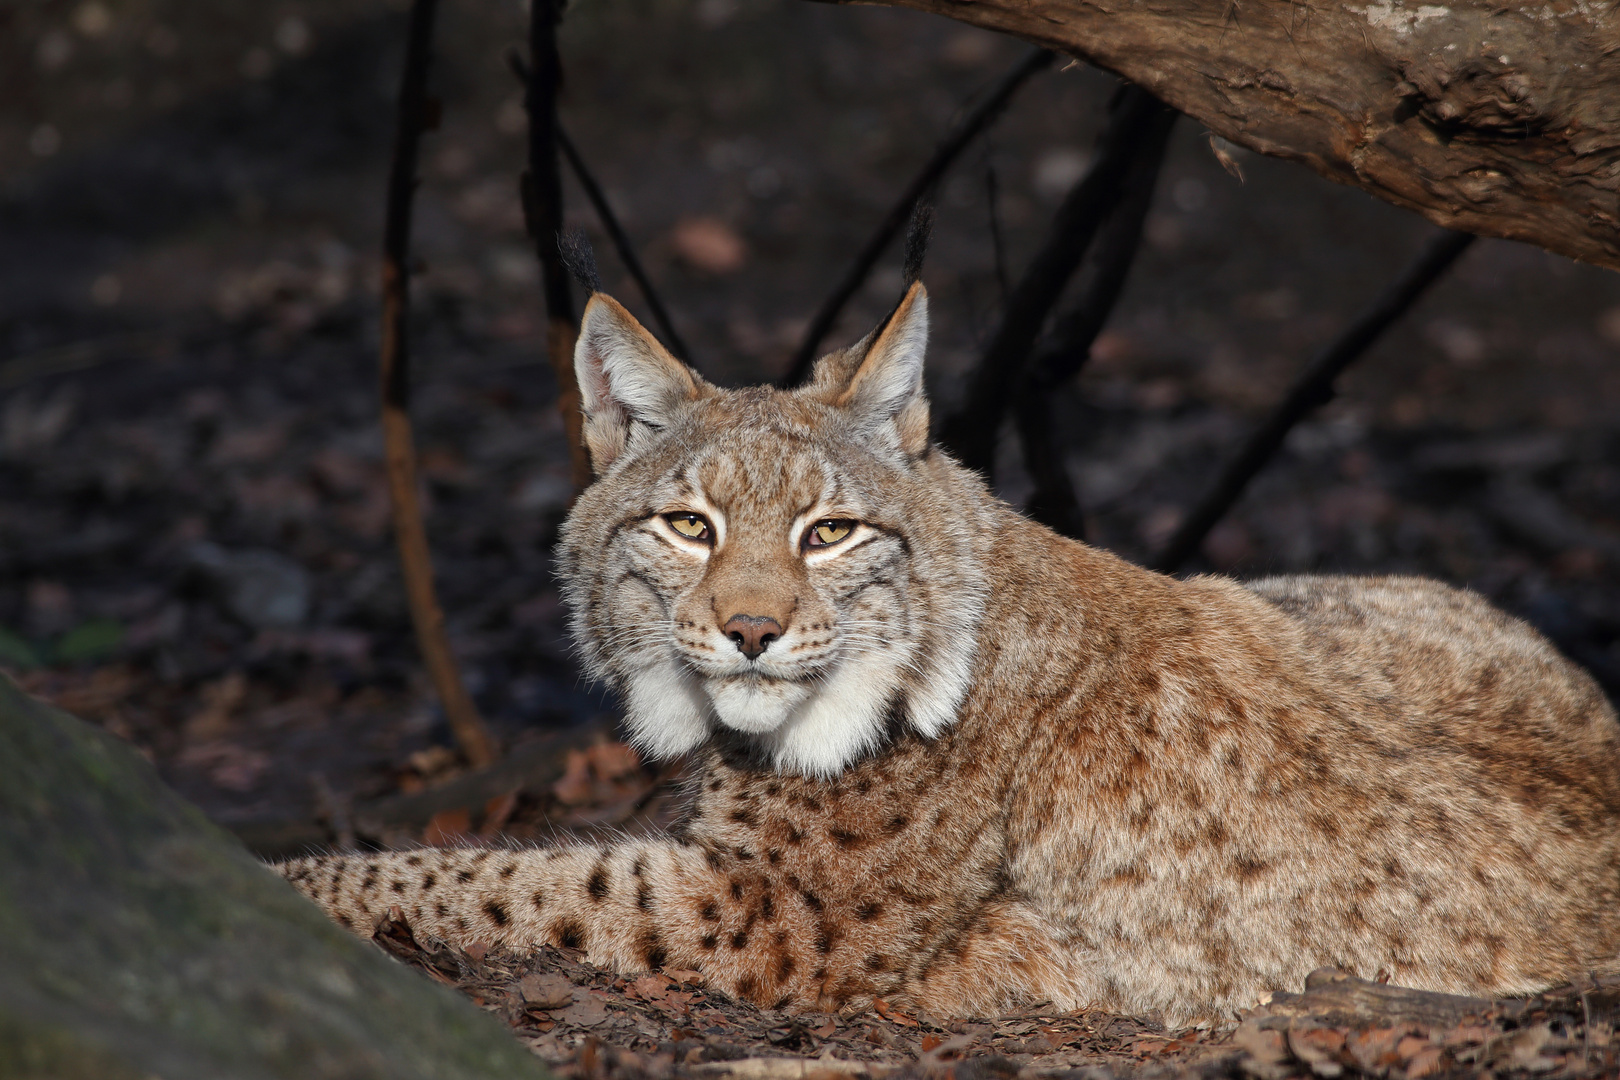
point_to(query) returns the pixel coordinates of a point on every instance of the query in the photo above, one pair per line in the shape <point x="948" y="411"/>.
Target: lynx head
<point x="800" y="567"/>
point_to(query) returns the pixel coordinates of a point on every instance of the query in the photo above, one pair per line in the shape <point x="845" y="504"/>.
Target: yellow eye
<point x="691" y="526"/>
<point x="827" y="532"/>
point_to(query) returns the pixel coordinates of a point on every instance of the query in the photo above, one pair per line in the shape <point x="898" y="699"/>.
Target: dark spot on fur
<point x="868" y="910"/>
<point x="746" y="986"/>
<point x="496" y="913"/>
<point x="745" y="816"/>
<point x="875" y="963"/>
<point x="1248" y="868"/>
<point x="784" y="967"/>
<point x="428" y="881"/>
<point x="597" y="884"/>
<point x="823" y="943"/>
<point x="367" y="885"/>
<point x="736" y="889"/>
<point x="465" y="875"/>
<point x="794" y="836"/>
<point x="539" y="898"/>
<point x="843" y="837"/>
<point x="644" y="896"/>
<point x="819" y="974"/>
<point x="638" y="867"/>
<point x="897" y="823"/>
<point x="744" y="854"/>
<point x="508" y="870"/>
<point x="397" y="886"/>
<point x="441" y="909"/>
<point x="570" y="936"/>
<point x="767" y="908"/>
<point x="714" y="860"/>
<point x="709" y="941"/>
<point x="811" y="899"/>
<point x="345" y="920"/>
<point x="783" y="1002"/>
<point x="774" y="855"/>
<point x="773" y="789"/>
<point x="482" y="855"/>
<point x="739" y="940"/>
<point x="716" y="784"/>
<point x="653" y="951"/>
<point x="411" y="860"/>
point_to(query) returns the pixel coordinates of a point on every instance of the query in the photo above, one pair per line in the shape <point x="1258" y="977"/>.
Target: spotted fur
<point x="982" y="765"/>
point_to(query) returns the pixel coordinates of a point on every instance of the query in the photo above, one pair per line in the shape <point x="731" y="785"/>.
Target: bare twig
<point x="610" y="224"/>
<point x="621" y="244"/>
<point x="953" y="145"/>
<point x="992" y="199"/>
<point x="542" y="213"/>
<point x="1137" y="120"/>
<point x="1054" y="502"/>
<point x="416" y="564"/>
<point x="1313" y="389"/>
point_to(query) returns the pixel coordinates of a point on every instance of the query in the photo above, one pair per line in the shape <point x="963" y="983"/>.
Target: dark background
<point x="194" y="537"/>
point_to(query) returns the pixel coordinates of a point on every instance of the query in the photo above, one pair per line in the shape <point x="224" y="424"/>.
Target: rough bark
<point x="1498" y="118"/>
<point x="138" y="940"/>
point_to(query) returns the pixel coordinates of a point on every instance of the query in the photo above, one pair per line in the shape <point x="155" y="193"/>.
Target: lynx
<point x="952" y="760"/>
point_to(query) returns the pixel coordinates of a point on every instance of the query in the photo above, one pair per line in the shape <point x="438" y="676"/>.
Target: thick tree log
<point x="1497" y="118"/>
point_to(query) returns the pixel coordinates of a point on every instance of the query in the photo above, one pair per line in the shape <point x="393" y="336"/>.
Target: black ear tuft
<point x="917" y="236"/>
<point x="580" y="260"/>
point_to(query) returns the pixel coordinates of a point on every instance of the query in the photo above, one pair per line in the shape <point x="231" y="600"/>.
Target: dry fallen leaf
<point x="650" y="987"/>
<point x="709" y="244"/>
<point x="546" y="991"/>
<point x="890" y="1013"/>
<point x="448" y="828"/>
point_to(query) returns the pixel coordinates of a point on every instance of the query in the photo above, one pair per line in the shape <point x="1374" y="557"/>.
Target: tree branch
<point x="416" y="563"/>
<point x="610" y="223"/>
<point x="1054" y="502"/>
<point x="1137" y="121"/>
<point x="541" y="189"/>
<point x="1312" y="390"/>
<point x="952" y="146"/>
<point x="1496" y="119"/>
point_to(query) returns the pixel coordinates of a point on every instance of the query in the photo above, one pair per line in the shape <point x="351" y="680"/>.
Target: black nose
<point x="752" y="633"/>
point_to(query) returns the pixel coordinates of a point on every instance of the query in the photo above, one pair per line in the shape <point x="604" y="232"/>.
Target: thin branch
<point x="416" y="564"/>
<point x="622" y="245"/>
<point x="1138" y="119"/>
<point x="541" y="188"/>
<point x="610" y="224"/>
<point x="998" y="246"/>
<point x="1054" y="502"/>
<point x="952" y="146"/>
<point x="1313" y="389"/>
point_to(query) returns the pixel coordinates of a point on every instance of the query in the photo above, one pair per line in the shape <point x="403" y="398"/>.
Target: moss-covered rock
<point x="139" y="940"/>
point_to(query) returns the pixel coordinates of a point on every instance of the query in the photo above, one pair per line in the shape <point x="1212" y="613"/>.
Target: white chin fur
<point x="755" y="705"/>
<point x="813" y="729"/>
<point x="842" y="721"/>
<point x="666" y="711"/>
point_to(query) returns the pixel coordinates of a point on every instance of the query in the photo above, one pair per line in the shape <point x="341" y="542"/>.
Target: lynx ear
<point x="625" y="378"/>
<point x="887" y="387"/>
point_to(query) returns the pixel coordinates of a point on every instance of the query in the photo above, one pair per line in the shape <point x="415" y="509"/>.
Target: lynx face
<point x="788" y="566"/>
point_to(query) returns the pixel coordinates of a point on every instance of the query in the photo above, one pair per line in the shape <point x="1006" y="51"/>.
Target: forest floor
<point x="194" y="533"/>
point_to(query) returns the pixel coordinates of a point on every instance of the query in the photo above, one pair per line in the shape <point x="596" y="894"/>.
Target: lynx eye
<point x="830" y="531"/>
<point x="691" y="526"/>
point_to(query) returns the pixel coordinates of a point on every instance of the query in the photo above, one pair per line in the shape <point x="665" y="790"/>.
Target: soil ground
<point x="194" y="536"/>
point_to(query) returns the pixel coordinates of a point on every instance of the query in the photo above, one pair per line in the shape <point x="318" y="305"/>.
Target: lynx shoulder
<point x="952" y="759"/>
